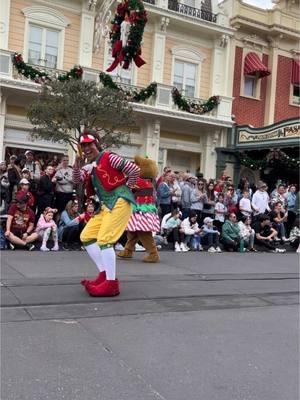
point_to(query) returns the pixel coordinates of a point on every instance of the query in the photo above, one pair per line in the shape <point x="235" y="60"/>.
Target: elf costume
<point x="110" y="177"/>
<point x="144" y="220"/>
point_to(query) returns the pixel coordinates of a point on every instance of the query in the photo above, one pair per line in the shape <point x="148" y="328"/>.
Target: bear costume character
<point x="144" y="220"/>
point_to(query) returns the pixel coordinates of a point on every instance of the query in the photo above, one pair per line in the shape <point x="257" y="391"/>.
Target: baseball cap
<point x="25" y="170"/>
<point x="207" y="220"/>
<point x="87" y="139"/>
<point x="24" y="181"/>
<point x="28" y="152"/>
<point x="22" y="198"/>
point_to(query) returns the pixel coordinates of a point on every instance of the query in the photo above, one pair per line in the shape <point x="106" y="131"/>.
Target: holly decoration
<point x="132" y="95"/>
<point x="194" y="107"/>
<point x="274" y="157"/>
<point x="134" y="11"/>
<point x="41" y="76"/>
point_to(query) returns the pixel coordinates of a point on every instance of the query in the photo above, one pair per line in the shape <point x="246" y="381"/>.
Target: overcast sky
<point x="260" y="3"/>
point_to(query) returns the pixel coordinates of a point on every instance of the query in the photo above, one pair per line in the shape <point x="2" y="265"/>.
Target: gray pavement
<point x="196" y="326"/>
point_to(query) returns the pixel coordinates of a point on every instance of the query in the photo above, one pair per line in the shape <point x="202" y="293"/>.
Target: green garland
<point x="132" y="95"/>
<point x="272" y="158"/>
<point x="39" y="75"/>
<point x="193" y="106"/>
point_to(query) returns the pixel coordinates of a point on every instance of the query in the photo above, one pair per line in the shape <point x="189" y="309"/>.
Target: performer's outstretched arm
<point x="129" y="168"/>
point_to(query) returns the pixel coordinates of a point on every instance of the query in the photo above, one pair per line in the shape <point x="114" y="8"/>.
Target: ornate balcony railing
<point x="184" y="9"/>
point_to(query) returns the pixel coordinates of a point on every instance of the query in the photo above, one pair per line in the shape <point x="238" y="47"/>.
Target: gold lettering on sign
<point x="287" y="132"/>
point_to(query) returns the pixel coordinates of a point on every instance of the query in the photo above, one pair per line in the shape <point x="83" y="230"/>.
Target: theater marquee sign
<point x="286" y="131"/>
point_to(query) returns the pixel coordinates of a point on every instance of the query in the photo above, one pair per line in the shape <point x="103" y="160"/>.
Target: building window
<point x="185" y="77"/>
<point x="119" y="74"/>
<point x="43" y="45"/>
<point x="296" y="94"/>
<point x="250" y="84"/>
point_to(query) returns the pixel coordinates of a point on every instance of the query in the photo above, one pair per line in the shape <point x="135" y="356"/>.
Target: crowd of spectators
<point x="40" y="203"/>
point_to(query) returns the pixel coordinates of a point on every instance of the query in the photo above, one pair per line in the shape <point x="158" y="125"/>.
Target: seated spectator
<point x="47" y="227"/>
<point x="278" y="218"/>
<point x="20" y="223"/>
<point x="231" y="233"/>
<point x="172" y="230"/>
<point x="295" y="235"/>
<point x="190" y="228"/>
<point x="220" y="211"/>
<point x="89" y="211"/>
<point x="24" y="185"/>
<point x="265" y="234"/>
<point x="247" y="234"/>
<point x="210" y="236"/>
<point x="70" y="227"/>
<point x="209" y="204"/>
<point x="245" y="205"/>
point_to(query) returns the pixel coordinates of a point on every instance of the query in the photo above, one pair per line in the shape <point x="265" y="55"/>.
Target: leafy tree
<point x="62" y="110"/>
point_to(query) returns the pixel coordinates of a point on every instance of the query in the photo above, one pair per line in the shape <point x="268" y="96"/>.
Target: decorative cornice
<point x="20" y="84"/>
<point x="255" y="42"/>
<point x="46" y="14"/>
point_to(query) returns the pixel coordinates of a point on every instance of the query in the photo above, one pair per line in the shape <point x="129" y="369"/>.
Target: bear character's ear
<point x="138" y="160"/>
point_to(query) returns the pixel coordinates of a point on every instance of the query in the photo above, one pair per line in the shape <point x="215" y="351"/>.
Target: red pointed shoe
<point x="100" y="278"/>
<point x="105" y="289"/>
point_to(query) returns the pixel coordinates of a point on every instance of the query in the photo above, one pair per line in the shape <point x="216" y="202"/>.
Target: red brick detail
<point x="283" y="110"/>
<point x="247" y="111"/>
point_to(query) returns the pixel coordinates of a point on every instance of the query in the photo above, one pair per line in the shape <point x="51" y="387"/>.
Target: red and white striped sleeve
<point x="79" y="175"/>
<point x="129" y="168"/>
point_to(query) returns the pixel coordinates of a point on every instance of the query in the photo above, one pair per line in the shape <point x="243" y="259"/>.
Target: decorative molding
<point x="46" y="14"/>
<point x="275" y="40"/>
<point x="164" y="22"/>
<point x="102" y="24"/>
<point x="188" y="53"/>
<point x="224" y="40"/>
<point x="255" y="42"/>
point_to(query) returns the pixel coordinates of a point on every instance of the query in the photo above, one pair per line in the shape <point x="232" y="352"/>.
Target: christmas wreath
<point x="39" y="75"/>
<point x="127" y="33"/>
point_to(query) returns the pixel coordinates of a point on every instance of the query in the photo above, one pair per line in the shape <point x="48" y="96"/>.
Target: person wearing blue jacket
<point x="210" y="236"/>
<point x="164" y="196"/>
<point x="70" y="227"/>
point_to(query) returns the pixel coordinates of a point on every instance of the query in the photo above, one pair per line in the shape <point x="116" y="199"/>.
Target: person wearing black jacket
<point x="46" y="191"/>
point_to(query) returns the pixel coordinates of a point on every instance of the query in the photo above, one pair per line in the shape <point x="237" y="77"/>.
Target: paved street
<point x="197" y="326"/>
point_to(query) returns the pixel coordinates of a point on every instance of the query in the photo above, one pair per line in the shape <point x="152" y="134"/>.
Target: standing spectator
<point x="209" y="205"/>
<point x="25" y="174"/>
<point x="242" y="186"/>
<point x="176" y="192"/>
<point x="198" y="198"/>
<point x="46" y="190"/>
<point x="231" y="233"/>
<point x="265" y="234"/>
<point x="278" y="217"/>
<point x="280" y="194"/>
<point x="70" y="227"/>
<point x="260" y="200"/>
<point x="166" y="171"/>
<point x="291" y="202"/>
<point x="247" y="233"/>
<point x="245" y="204"/>
<point x="14" y="176"/>
<point x="186" y="188"/>
<point x="230" y="200"/>
<point x="47" y="227"/>
<point x="24" y="185"/>
<point x="211" y="236"/>
<point x="164" y="194"/>
<point x="19" y="224"/>
<point x="4" y="188"/>
<point x="220" y="212"/>
<point x="64" y="184"/>
<point x="35" y="171"/>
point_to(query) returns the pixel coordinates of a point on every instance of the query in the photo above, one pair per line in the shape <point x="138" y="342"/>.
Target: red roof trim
<point x="254" y="66"/>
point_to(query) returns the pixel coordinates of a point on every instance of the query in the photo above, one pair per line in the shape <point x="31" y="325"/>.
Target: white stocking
<point x="95" y="253"/>
<point x="109" y="263"/>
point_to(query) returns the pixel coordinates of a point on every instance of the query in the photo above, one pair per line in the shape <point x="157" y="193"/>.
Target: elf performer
<point x="110" y="177"/>
<point x="144" y="220"/>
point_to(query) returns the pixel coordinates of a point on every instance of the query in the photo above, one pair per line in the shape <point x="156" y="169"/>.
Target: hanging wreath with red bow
<point x="127" y="33"/>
